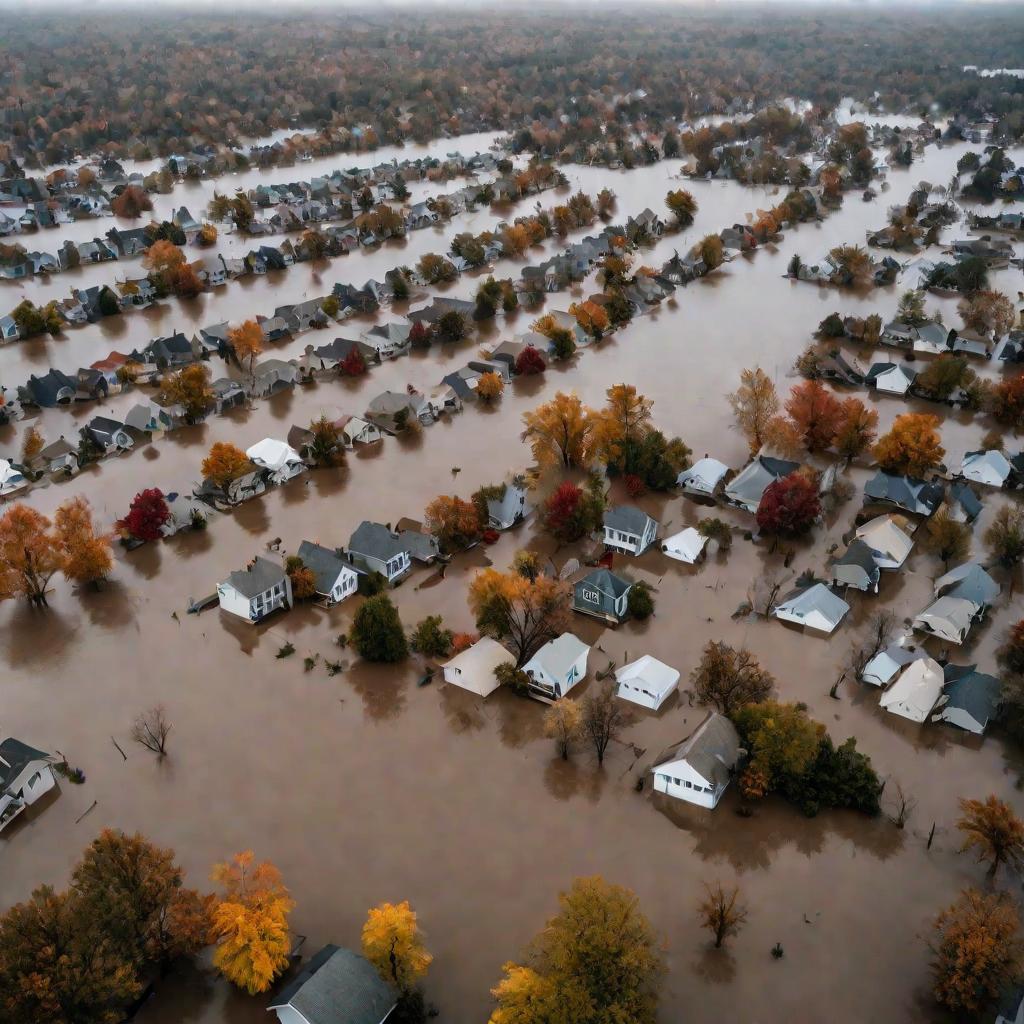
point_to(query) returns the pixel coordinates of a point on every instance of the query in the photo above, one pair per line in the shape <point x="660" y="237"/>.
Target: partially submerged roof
<point x="746" y="488"/>
<point x="886" y="664"/>
<point x="970" y="582"/>
<point x="816" y="607"/>
<point x="974" y="693"/>
<point x="711" y="750"/>
<point x="916" y="691"/>
<point x="258" y="578"/>
<point x="15" y="756"/>
<point x="559" y="655"/>
<point x="703" y="476"/>
<point x="325" y="563"/>
<point x="906" y="492"/>
<point x="685" y="546"/>
<point x="627" y="518"/>
<point x="606" y="582"/>
<point x="476" y="666"/>
<point x="377" y="541"/>
<point x="654" y="676"/>
<point x="889" y="543"/>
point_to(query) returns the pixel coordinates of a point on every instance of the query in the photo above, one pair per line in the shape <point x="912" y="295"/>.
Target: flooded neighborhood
<point x="217" y="690"/>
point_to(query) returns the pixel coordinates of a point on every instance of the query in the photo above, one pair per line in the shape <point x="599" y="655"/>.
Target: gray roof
<point x="559" y="655"/>
<point x="258" y="578"/>
<point x="15" y="755"/>
<point x="905" y="492"/>
<point x="969" y="582"/>
<point x="711" y="750"/>
<point x="754" y="479"/>
<point x="859" y="554"/>
<point x="607" y="582"/>
<point x="325" y="563"/>
<point x="338" y="987"/>
<point x="971" y="691"/>
<point x="377" y="541"/>
<point x="627" y="518"/>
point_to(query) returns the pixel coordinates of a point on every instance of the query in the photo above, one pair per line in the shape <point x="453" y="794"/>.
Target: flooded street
<point x="364" y="787"/>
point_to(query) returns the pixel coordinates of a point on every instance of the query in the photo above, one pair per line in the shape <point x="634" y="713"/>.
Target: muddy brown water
<point x="364" y="787"/>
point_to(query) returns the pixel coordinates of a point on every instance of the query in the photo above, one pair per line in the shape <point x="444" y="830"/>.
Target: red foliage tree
<point x="570" y="512"/>
<point x="816" y="412"/>
<point x="148" y="512"/>
<point x="353" y="365"/>
<point x="1006" y="401"/>
<point x="419" y="335"/>
<point x="789" y="506"/>
<point x="530" y="362"/>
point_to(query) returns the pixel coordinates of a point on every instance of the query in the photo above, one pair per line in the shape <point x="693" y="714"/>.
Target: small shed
<point x="647" y="682"/>
<point x="916" y="691"/>
<point x="558" y="666"/>
<point x="473" y="669"/>
<point x="816" y="607"/>
<point x="686" y="546"/>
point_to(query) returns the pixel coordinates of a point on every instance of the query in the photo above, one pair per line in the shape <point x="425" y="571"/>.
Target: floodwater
<point x="364" y="787"/>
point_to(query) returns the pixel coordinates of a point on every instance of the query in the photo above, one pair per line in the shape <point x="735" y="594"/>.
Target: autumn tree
<point x="721" y="912"/>
<point x="434" y="269"/>
<point x="604" y="718"/>
<point x="854" y="263"/>
<point x="31" y="554"/>
<point x="325" y="447"/>
<point x="377" y="633"/>
<point x="597" y="960"/>
<point x="945" y="376"/>
<point x="226" y="462"/>
<point x="621" y="424"/>
<point x="784" y="439"/>
<point x="393" y="943"/>
<point x="781" y="740"/>
<point x="302" y="578"/>
<point x="135" y="895"/>
<point x="570" y="512"/>
<point x="991" y="829"/>
<point x="163" y="256"/>
<point x="146" y="515"/>
<point x="978" y="950"/>
<point x="789" y="506"/>
<point x="489" y="387"/>
<point x="754" y="403"/>
<point x="524" y="613"/>
<point x="246" y="342"/>
<point x="132" y="202"/>
<point x="1005" y="536"/>
<point x="87" y="555"/>
<point x="560" y="432"/>
<point x="1004" y="401"/>
<point x="250" y="922"/>
<point x="453" y="521"/>
<point x="946" y="538"/>
<point x="563" y="722"/>
<point x="711" y="251"/>
<point x="190" y="388"/>
<point x="58" y="967"/>
<point x="530" y="362"/>
<point x="31" y="445"/>
<point x="728" y="678"/>
<point x="912" y="446"/>
<point x="856" y="429"/>
<point x="816" y="412"/>
<point x="987" y="311"/>
<point x="591" y="317"/>
<point x="682" y="206"/>
<point x="910" y="310"/>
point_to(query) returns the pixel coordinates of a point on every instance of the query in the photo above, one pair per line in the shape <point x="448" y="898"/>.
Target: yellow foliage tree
<point x="392" y="942"/>
<point x="30" y="554"/>
<point x="624" y="420"/>
<point x="754" y="404"/>
<point x="250" y="922"/>
<point x="912" y="446"/>
<point x="246" y="341"/>
<point x="560" y="432"/>
<point x="88" y="558"/>
<point x="489" y="387"/>
<point x="226" y="462"/>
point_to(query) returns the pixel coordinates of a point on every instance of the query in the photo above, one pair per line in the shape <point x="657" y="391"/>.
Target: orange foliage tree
<point x="87" y="554"/>
<point x="912" y="446"/>
<point x="992" y="829"/>
<point x="856" y="430"/>
<point x="816" y="412"/>
<point x="226" y="462"/>
<point x="560" y="432"/>
<point x="246" y="342"/>
<point x="30" y="554"/>
<point x="453" y="521"/>
<point x="489" y="387"/>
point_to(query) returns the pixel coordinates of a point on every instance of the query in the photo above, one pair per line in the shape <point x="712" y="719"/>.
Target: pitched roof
<point x="859" y="554"/>
<point x="971" y="691"/>
<point x="559" y="655"/>
<point x="14" y="756"/>
<point x="711" y="750"/>
<point x="377" y="541"/>
<point x="325" y="563"/>
<point x="258" y="578"/>
<point x="969" y="582"/>
<point x="627" y="518"/>
<point x="904" y="491"/>
<point x="607" y="582"/>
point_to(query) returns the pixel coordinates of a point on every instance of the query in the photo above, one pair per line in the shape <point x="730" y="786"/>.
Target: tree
<point x="207" y="235"/>
<point x="1004" y="401"/>
<point x="250" y="922"/>
<point x="246" y="342"/>
<point x="525" y="613"/>
<point x="622" y="424"/>
<point x="781" y="739"/>
<point x="597" y="961"/>
<point x="854" y="264"/>
<point x="1005" y="536"/>
<point x="87" y="556"/>
<point x="190" y="388"/>
<point x="639" y="603"/>
<point x="452" y="326"/>
<point x="325" y="448"/>
<point x="591" y="317"/>
<point x="560" y="432"/>
<point x="431" y="639"/>
<point x="489" y="387"/>
<point x="563" y="722"/>
<point x="134" y="894"/>
<point x="911" y="446"/>
<point x="789" y="506"/>
<point x="377" y="632"/>
<point x="31" y="445"/>
<point x="911" y="309"/>
<point x="570" y="512"/>
<point x="729" y="679"/>
<point x="146" y="515"/>
<point x="163" y="256"/>
<point x="530" y="362"/>
<point x="943" y="377"/>
<point x="57" y="967"/>
<point x="856" y="429"/>
<point x="563" y="342"/>
<point x="30" y="554"/>
<point x="1011" y="654"/>
<point x="453" y="521"/>
<point x="682" y="206"/>
<point x="434" y="269"/>
<point x="132" y="202"/>
<point x="721" y="912"/>
<point x="392" y="942"/>
<point x="992" y="829"/>
<point x="226" y="462"/>
<point x="354" y="365"/>
<point x="302" y="578"/>
<point x="754" y="403"/>
<point x="604" y="717"/>
<point x="717" y="530"/>
<point x="987" y="311"/>
<point x="978" y="951"/>
<point x="816" y="412"/>
<point x="947" y="538"/>
<point x="711" y="251"/>
<point x="151" y="729"/>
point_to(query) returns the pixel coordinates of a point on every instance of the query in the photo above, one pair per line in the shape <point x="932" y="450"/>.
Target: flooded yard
<point x="365" y="787"/>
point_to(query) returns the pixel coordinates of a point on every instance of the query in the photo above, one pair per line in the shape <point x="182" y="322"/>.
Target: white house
<point x="354" y="429"/>
<point x="629" y="529"/>
<point x="970" y="699"/>
<point x="646" y="681"/>
<point x="280" y="460"/>
<point x="991" y="468"/>
<point x="511" y="508"/>
<point x="889" y="543"/>
<point x="473" y="668"/>
<point x="253" y="593"/>
<point x="11" y="480"/>
<point x="703" y="477"/>
<point x="891" y="378"/>
<point x="375" y="548"/>
<point x="699" y="768"/>
<point x="884" y="666"/>
<point x="558" y="666"/>
<point x="816" y="607"/>
<point x="335" y="987"/>
<point x="685" y="546"/>
<point x="388" y="340"/>
<point x="335" y="578"/>
<point x="916" y="691"/>
<point x="25" y="775"/>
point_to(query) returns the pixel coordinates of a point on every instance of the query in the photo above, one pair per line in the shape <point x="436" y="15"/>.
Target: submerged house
<point x="916" y="691"/>
<point x="26" y="774"/>
<point x="887" y="539"/>
<point x="991" y="468"/>
<point x="375" y="548"/>
<point x="703" y="477"/>
<point x="686" y="546"/>
<point x="970" y="699"/>
<point x="279" y="460"/>
<point x="255" y="592"/>
<point x="603" y="595"/>
<point x="558" y="666"/>
<point x="699" y="768"/>
<point x="815" y="607"/>
<point x="335" y="578"/>
<point x="904" y="492"/>
<point x="744" y="491"/>
<point x="629" y="529"/>
<point x="856" y="568"/>
<point x="963" y="595"/>
<point x="510" y="509"/>
<point x="646" y="681"/>
<point x="473" y="669"/>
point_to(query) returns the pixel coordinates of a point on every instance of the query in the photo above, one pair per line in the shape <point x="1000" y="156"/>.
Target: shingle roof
<point x="376" y="540"/>
<point x="325" y="563"/>
<point x="711" y="750"/>
<point x="257" y="579"/>
<point x="627" y="518"/>
<point x="972" y="691"/>
<point x="14" y="755"/>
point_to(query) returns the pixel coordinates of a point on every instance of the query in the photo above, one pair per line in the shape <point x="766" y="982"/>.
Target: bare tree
<point x="764" y="591"/>
<point x="151" y="728"/>
<point x="876" y="635"/>
<point x="721" y="912"/>
<point x="902" y="806"/>
<point x="603" y="719"/>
